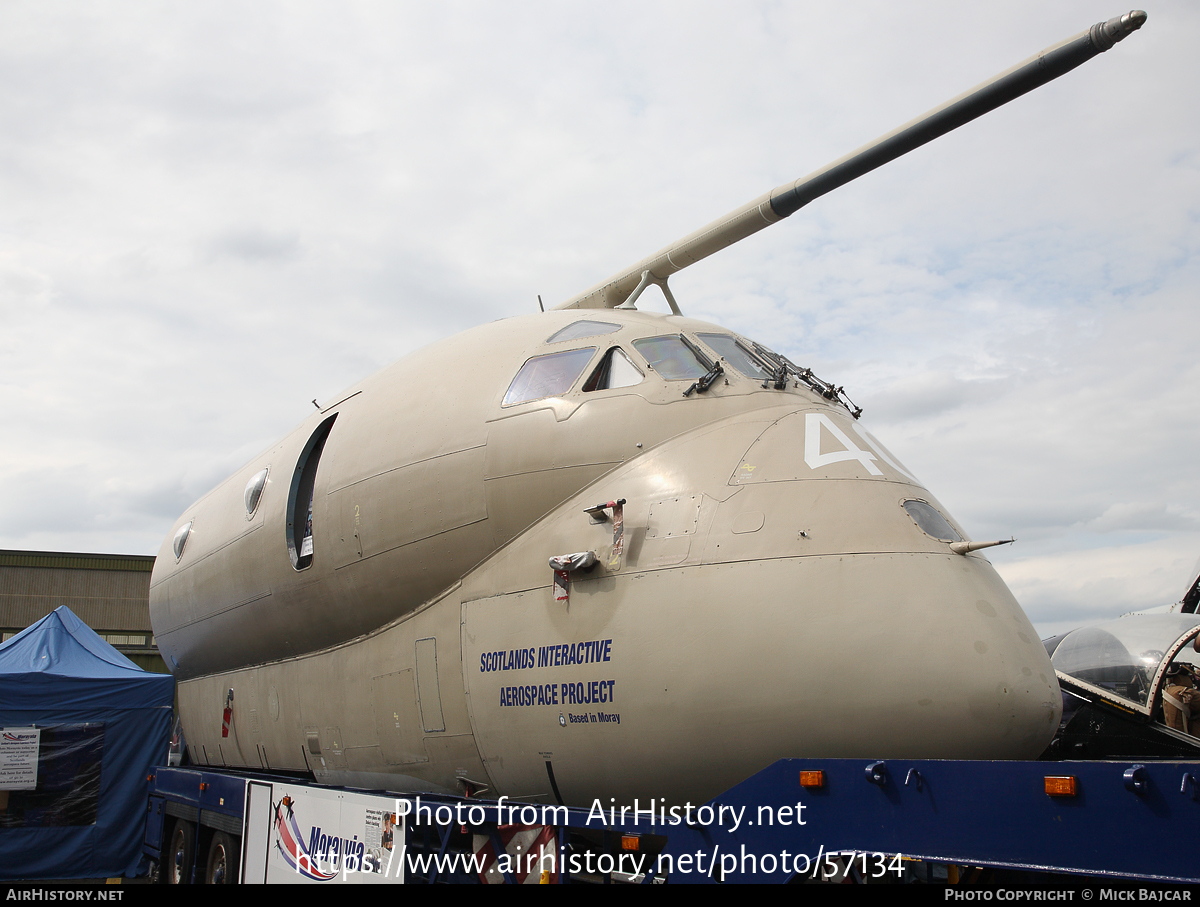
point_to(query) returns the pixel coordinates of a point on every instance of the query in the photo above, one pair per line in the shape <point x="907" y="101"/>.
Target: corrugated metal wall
<point x="110" y="593"/>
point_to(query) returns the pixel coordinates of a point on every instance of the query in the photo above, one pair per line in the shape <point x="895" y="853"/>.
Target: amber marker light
<point x="814" y="778"/>
<point x="1060" y="785"/>
<point x="630" y="842"/>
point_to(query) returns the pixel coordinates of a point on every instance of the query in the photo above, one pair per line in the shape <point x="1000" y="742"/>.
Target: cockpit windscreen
<point x="547" y="376"/>
<point x="732" y="352"/>
<point x="671" y="358"/>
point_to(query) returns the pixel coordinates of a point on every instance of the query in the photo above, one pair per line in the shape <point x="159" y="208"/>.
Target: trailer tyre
<point x="222" y="860"/>
<point x="181" y="854"/>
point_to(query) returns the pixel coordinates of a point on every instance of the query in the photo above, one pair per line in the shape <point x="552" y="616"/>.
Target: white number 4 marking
<point x="813" y="423"/>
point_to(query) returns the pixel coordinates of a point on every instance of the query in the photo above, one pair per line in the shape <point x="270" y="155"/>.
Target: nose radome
<point x="934" y="654"/>
<point x="961" y="672"/>
<point x="847" y="656"/>
<point x="1013" y="703"/>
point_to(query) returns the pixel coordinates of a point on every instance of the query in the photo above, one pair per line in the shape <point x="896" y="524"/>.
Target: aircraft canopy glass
<point x="1122" y="656"/>
<point x="547" y="376"/>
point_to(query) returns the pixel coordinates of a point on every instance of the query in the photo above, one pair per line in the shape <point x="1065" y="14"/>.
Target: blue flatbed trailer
<point x="809" y="818"/>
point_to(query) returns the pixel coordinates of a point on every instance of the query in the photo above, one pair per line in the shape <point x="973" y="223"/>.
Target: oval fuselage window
<point x="254" y="489"/>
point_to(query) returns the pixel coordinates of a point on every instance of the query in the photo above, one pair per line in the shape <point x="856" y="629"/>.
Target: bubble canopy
<point x="1125" y="658"/>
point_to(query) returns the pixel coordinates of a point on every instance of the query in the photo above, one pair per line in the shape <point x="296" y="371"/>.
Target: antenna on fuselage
<point x="623" y="288"/>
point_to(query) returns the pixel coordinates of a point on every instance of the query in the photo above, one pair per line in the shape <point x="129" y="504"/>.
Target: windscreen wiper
<point x="824" y="388"/>
<point x="777" y="371"/>
<point x="715" y="371"/>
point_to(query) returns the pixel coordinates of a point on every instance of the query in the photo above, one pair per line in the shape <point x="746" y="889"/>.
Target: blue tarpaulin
<point x="102" y="722"/>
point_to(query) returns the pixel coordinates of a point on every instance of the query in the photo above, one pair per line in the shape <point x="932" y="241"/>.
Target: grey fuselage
<point x="769" y="571"/>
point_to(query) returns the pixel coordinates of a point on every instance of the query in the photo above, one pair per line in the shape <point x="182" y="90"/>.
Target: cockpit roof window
<point x="577" y="330"/>
<point x="546" y="376"/>
<point x="735" y="354"/>
<point x="671" y="357"/>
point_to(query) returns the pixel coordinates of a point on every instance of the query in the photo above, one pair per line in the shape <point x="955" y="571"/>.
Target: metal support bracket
<point x="877" y="773"/>
<point x="647" y="279"/>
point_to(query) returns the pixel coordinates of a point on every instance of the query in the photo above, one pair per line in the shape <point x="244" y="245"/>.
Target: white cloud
<point x="1068" y="589"/>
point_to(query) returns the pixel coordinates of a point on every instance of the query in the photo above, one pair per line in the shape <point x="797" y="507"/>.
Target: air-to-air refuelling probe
<point x="636" y="555"/>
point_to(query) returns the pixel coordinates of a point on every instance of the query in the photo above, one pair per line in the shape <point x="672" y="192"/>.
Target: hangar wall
<point x="108" y="592"/>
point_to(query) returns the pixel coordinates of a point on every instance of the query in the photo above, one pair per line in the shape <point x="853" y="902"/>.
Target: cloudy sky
<point x="211" y="214"/>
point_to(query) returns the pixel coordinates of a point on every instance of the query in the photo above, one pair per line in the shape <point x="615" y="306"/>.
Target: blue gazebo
<point x="101" y="722"/>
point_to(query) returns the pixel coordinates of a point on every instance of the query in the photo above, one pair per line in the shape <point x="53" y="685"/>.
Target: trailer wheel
<point x="181" y="854"/>
<point x="222" y="860"/>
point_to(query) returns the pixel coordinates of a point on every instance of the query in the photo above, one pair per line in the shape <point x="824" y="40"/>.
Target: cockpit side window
<point x="547" y="376"/>
<point x="735" y="354"/>
<point x="671" y="358"/>
<point x="578" y="330"/>
<point x="614" y="370"/>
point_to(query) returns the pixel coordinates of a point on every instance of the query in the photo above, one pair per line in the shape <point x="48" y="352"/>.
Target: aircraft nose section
<point x="929" y="656"/>
<point x="872" y="656"/>
<point x="766" y="609"/>
<point x="1008" y="700"/>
